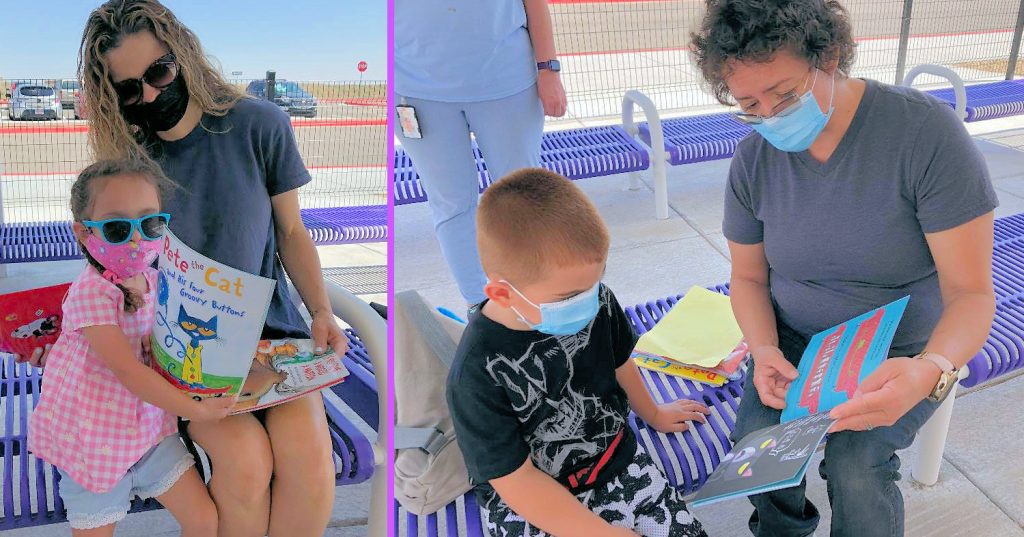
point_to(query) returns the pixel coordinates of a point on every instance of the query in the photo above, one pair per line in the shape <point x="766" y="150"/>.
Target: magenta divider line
<point x="392" y="511"/>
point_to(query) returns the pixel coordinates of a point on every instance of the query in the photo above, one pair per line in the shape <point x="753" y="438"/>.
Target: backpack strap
<point x="428" y="439"/>
<point x="424" y="319"/>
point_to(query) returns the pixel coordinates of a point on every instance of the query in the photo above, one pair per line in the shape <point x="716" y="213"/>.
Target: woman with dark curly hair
<point x="850" y="194"/>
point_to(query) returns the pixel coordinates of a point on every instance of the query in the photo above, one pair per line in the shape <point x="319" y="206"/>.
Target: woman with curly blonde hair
<point x="153" y="95"/>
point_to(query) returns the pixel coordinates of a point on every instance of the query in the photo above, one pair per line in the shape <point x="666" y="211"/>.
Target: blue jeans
<point x="860" y="469"/>
<point x="508" y="132"/>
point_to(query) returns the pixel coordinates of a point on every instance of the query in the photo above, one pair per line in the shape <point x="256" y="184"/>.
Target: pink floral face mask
<point x="122" y="261"/>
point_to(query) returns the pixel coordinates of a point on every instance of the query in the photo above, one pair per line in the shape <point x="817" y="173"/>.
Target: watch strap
<point x="941" y="361"/>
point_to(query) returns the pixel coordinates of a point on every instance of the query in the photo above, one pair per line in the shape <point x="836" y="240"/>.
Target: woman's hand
<point x="37" y="358"/>
<point x="674" y="417"/>
<point x="327" y="332"/>
<point x="551" y="92"/>
<point x="772" y="375"/>
<point x="887" y="394"/>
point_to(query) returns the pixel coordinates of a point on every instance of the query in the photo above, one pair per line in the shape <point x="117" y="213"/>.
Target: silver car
<point x="69" y="89"/>
<point x="34" y="101"/>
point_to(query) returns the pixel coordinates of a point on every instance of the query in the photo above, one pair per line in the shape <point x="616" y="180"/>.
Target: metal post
<point x="271" y="81"/>
<point x="901" y="56"/>
<point x="658" y="153"/>
<point x="1011" y="64"/>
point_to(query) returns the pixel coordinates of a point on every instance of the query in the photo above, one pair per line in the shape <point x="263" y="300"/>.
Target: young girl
<point x="105" y="420"/>
<point x="153" y="93"/>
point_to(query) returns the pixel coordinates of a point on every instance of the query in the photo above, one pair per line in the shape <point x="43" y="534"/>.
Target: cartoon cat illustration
<point x="197" y="330"/>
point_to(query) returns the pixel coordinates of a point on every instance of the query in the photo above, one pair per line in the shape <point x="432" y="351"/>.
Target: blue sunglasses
<point x="120" y="230"/>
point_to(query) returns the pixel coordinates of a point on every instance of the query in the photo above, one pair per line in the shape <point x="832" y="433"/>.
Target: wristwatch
<point x="551" y="65"/>
<point x="947" y="379"/>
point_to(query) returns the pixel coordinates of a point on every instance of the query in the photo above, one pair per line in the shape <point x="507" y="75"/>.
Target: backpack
<point x="429" y="468"/>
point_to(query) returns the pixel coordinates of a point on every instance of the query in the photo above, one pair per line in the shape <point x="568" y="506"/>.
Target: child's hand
<point x="772" y="375"/>
<point x="37" y="358"/>
<point x="673" y="417"/>
<point x="212" y="409"/>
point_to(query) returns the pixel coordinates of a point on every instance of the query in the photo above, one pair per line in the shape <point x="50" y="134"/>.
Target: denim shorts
<point x="155" y="473"/>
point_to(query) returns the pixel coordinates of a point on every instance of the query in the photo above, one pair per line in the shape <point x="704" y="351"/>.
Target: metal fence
<point x="610" y="47"/>
<point x="341" y="136"/>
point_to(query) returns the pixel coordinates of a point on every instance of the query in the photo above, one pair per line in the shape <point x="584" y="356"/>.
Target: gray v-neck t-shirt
<point x="848" y="235"/>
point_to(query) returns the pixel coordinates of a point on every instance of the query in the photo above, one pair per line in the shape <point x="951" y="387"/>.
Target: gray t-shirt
<point x="848" y="235"/>
<point x="228" y="168"/>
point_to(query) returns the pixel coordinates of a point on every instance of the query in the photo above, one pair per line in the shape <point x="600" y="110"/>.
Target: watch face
<point x="550" y="65"/>
<point x="943" y="387"/>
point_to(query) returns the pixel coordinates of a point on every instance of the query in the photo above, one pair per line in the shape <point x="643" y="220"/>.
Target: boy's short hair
<point x="534" y="219"/>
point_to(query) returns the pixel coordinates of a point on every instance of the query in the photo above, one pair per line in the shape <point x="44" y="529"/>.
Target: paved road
<point x="60" y="146"/>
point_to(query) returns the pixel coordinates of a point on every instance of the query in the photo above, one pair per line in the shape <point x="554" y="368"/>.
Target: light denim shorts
<point x="155" y="473"/>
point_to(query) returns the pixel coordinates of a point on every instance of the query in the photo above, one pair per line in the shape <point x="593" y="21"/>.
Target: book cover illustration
<point x="209" y="320"/>
<point x="838" y="359"/>
<point x="769" y="459"/>
<point x="284" y="369"/>
<point x="31" y="319"/>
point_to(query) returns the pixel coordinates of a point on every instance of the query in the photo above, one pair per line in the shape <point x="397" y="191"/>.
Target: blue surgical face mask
<point x="796" y="130"/>
<point x="565" y="317"/>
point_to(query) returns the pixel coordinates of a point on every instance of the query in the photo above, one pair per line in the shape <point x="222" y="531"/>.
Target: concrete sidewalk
<point x="979" y="489"/>
<point x="351" y="504"/>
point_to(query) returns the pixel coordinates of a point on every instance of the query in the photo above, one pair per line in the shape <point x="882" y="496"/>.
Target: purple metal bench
<point x="699" y="138"/>
<point x="576" y="154"/>
<point x="30" y="489"/>
<point x="54" y="241"/>
<point x="347" y="225"/>
<point x="989" y="101"/>
<point x="688" y="458"/>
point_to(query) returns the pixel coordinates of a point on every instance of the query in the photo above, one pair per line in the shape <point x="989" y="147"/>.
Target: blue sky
<point x="300" y="39"/>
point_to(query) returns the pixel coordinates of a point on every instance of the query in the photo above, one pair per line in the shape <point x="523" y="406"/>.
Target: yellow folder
<point x="700" y="330"/>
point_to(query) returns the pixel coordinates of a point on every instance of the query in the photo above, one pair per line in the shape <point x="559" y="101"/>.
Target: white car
<point x="34" y="101"/>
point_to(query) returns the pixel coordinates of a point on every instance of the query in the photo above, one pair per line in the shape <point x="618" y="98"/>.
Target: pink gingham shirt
<point x="87" y="423"/>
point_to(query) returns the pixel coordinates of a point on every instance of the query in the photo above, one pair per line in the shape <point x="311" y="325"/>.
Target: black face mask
<point x="164" y="112"/>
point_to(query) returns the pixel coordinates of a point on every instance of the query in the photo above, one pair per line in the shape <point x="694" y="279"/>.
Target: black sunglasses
<point x="159" y="75"/>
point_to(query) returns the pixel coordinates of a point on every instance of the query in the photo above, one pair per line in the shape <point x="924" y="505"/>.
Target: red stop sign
<point x="361" y="66"/>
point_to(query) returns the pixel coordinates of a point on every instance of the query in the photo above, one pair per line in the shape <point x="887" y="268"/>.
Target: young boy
<point x="542" y="381"/>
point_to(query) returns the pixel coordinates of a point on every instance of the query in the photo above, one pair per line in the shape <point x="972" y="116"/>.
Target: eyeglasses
<point x="159" y="75"/>
<point x="121" y="230"/>
<point x="783" y="108"/>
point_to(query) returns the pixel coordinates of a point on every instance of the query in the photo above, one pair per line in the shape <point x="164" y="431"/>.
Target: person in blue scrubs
<point x="483" y="66"/>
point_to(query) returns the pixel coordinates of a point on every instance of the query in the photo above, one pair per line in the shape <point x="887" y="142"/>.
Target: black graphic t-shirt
<point x="516" y="394"/>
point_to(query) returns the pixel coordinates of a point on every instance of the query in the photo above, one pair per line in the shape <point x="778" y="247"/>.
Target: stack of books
<point x="698" y="339"/>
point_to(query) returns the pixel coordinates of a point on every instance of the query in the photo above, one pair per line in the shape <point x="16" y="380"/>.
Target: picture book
<point x="207" y="335"/>
<point x="838" y="359"/>
<point x="728" y="369"/>
<point x="831" y="368"/>
<point x="769" y="459"/>
<point x="31" y="318"/>
<point x="696" y="374"/>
